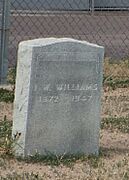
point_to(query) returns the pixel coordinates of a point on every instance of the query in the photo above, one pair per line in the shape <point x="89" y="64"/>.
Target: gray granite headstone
<point x="57" y="99"/>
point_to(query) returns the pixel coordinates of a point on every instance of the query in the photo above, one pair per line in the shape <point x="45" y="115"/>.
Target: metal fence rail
<point x="112" y="4"/>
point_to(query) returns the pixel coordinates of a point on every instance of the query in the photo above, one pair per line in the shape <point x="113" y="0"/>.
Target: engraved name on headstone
<point x="58" y="97"/>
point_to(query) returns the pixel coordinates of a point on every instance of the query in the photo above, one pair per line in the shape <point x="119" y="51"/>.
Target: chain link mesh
<point x="106" y="23"/>
<point x="31" y="19"/>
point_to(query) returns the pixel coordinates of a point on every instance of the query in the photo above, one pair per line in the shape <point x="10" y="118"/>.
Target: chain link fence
<point x="104" y="22"/>
<point x="58" y="18"/>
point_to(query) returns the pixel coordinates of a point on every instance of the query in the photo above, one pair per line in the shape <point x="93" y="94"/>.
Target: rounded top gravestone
<point x="57" y="98"/>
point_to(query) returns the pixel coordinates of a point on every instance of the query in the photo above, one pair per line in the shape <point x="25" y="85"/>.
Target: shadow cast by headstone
<point x="112" y="151"/>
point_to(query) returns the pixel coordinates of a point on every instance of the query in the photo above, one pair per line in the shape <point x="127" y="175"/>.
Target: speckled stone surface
<point x="57" y="100"/>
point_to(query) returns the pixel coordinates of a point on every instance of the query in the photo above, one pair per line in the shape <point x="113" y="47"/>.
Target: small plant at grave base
<point x="122" y="124"/>
<point x="53" y="160"/>
<point x="94" y="161"/>
<point x="66" y="160"/>
<point x="7" y="143"/>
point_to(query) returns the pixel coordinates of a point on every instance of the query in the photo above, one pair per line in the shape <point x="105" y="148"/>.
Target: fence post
<point x="92" y="5"/>
<point x="4" y="41"/>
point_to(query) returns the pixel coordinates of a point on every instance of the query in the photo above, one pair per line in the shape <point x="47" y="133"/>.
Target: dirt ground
<point x="113" y="163"/>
